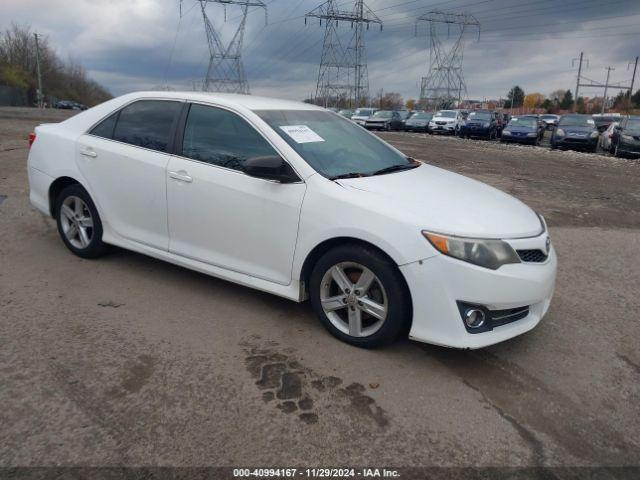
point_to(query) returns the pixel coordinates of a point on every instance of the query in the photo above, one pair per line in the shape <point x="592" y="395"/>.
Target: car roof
<point x="251" y="102"/>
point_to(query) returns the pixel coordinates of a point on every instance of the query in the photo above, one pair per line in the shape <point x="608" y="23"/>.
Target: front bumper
<point x="447" y="128"/>
<point x="576" y="142"/>
<point x="475" y="131"/>
<point x="416" y="128"/>
<point x="629" y="148"/>
<point x="439" y="282"/>
<point x="375" y="125"/>
<point x="524" y="138"/>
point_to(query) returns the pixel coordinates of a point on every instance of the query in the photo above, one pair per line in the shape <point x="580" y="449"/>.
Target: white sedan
<point x="297" y="201"/>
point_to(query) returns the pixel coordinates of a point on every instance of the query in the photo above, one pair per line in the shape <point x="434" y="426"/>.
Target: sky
<point x="129" y="45"/>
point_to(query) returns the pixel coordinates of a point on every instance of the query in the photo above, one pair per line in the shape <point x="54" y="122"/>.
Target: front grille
<point x="532" y="256"/>
<point x="441" y="123"/>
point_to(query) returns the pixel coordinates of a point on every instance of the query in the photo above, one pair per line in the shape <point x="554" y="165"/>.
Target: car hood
<point x="445" y="202"/>
<point x="417" y="121"/>
<point x="443" y="119"/>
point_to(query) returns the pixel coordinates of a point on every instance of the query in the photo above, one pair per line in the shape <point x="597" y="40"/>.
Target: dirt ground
<point x="128" y="360"/>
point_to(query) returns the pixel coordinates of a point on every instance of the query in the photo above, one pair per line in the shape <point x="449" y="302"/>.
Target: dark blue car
<point x="578" y="132"/>
<point x="522" y="130"/>
<point x="480" y="123"/>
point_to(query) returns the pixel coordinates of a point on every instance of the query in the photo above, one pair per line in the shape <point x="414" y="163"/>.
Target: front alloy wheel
<point x="353" y="299"/>
<point x="360" y="296"/>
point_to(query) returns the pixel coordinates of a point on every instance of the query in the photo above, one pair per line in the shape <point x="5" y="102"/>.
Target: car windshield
<point x="633" y="126"/>
<point x="422" y="116"/>
<point x="404" y="114"/>
<point x="576" y="121"/>
<point x="479" y="116"/>
<point x="332" y="145"/>
<point x="523" y="122"/>
<point x="363" y="112"/>
<point x="383" y="114"/>
<point x="446" y="113"/>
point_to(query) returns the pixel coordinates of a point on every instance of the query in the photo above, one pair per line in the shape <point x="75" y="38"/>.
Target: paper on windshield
<point x="301" y="133"/>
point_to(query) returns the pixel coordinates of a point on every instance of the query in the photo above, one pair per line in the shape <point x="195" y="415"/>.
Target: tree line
<point x="61" y="80"/>
<point x="559" y="100"/>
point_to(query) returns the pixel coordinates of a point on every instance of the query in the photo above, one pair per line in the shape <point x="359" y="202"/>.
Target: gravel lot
<point x="129" y="360"/>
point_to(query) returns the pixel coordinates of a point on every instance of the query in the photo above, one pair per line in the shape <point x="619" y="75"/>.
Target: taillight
<point x="32" y="138"/>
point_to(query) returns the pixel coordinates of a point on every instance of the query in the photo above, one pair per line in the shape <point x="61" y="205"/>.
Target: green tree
<point x="567" y="101"/>
<point x="517" y="95"/>
<point x="635" y="99"/>
<point x="580" y="105"/>
<point x="547" y="105"/>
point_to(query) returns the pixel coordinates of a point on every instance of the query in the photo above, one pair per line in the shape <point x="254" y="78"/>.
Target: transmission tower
<point x="444" y="83"/>
<point x="226" y="72"/>
<point x="343" y="72"/>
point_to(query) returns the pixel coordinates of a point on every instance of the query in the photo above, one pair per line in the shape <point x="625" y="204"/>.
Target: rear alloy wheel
<point x="78" y="222"/>
<point x="360" y="296"/>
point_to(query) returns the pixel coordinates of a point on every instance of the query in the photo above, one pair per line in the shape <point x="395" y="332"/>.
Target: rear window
<point x="147" y="123"/>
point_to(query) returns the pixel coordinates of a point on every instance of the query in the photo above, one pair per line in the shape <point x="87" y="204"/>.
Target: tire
<point x="386" y="294"/>
<point x="78" y="222"/>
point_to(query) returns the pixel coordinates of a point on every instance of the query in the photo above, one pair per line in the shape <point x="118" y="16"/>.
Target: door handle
<point x="181" y="176"/>
<point x="88" y="153"/>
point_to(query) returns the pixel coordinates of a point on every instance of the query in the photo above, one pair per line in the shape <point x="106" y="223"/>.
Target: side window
<point x="105" y="128"/>
<point x="222" y="138"/>
<point x="147" y="123"/>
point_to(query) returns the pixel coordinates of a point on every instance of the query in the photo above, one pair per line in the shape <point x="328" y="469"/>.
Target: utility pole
<point x="606" y="87"/>
<point x="343" y="69"/>
<point x="39" y="94"/>
<point x="633" y="80"/>
<point x="575" y="97"/>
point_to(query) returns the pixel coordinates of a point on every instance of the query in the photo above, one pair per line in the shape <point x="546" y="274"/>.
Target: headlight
<point x="532" y="134"/>
<point x="506" y="132"/>
<point x="483" y="252"/>
<point x="559" y="132"/>
<point x="595" y="134"/>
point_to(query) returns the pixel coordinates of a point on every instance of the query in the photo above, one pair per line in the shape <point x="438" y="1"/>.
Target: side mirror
<point x="270" y="167"/>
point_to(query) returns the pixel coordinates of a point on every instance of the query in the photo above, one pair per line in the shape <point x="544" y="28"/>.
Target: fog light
<point x="474" y="318"/>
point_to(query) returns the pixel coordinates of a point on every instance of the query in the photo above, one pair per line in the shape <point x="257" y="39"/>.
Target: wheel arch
<point x="56" y="187"/>
<point x="316" y="253"/>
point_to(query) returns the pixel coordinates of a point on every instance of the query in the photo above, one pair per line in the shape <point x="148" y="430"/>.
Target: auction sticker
<point x="301" y="133"/>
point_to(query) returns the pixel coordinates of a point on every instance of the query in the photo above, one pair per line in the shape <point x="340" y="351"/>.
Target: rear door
<point x="124" y="159"/>
<point x="217" y="213"/>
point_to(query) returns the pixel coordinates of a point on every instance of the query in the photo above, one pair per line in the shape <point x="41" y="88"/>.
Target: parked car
<point x="361" y="115"/>
<point x="247" y="189"/>
<point x="522" y="130"/>
<point x="346" y="113"/>
<point x="418" y="122"/>
<point x="503" y="119"/>
<point x="575" y="131"/>
<point x="70" y="105"/>
<point x="606" y="136"/>
<point x="542" y="125"/>
<point x="550" y="120"/>
<point x="446" y="121"/>
<point x="480" y="123"/>
<point x="404" y="116"/>
<point x="384" y="120"/>
<point x="626" y="137"/>
<point x="604" y="120"/>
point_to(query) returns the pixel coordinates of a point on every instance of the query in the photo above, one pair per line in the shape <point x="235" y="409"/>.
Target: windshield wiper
<point x="348" y="175"/>
<point x="396" y="168"/>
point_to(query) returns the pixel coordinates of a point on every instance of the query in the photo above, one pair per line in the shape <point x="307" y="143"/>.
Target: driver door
<point x="217" y="213"/>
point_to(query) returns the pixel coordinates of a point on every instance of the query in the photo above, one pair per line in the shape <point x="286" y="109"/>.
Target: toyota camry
<point x="294" y="200"/>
